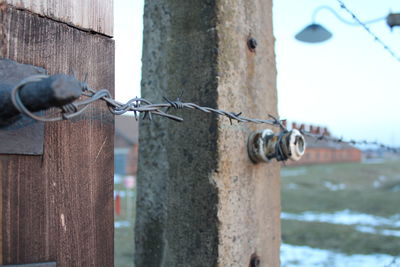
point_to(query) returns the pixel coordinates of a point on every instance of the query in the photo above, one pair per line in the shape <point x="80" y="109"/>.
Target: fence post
<point x="201" y="202"/>
<point x="58" y="207"/>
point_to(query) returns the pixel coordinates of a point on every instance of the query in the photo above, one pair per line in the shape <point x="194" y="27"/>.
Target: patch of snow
<point x="372" y="230"/>
<point x="296" y="172"/>
<point x="122" y="224"/>
<point x="382" y="178"/>
<point x="363" y="222"/>
<point x="334" y="187"/>
<point x="117" y="179"/>
<point x="303" y="256"/>
<point x="345" y="217"/>
<point x="376" y="184"/>
<point x="124" y="193"/>
<point x="292" y="186"/>
<point x="373" y="161"/>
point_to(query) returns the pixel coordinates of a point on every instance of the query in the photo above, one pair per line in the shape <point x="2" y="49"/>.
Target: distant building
<point x="323" y="151"/>
<point x="126" y="144"/>
<point x="317" y="151"/>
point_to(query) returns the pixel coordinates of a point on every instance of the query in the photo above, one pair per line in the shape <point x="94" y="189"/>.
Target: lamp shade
<point x="313" y="33"/>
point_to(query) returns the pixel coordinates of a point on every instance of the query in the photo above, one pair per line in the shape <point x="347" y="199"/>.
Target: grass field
<point x="123" y="235"/>
<point x="365" y="188"/>
<point x="345" y="208"/>
<point x="350" y="208"/>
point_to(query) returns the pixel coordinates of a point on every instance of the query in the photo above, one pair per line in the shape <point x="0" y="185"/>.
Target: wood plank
<point x="94" y="15"/>
<point x="59" y="206"/>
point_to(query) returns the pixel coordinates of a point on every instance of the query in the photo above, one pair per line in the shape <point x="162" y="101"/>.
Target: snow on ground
<point x="334" y="187"/>
<point x="374" y="161"/>
<point x="295" y="172"/>
<point x="372" y="230"/>
<point x="122" y="224"/>
<point x="303" y="256"/>
<point x="292" y="186"/>
<point x="345" y="217"/>
<point x="124" y="193"/>
<point x="364" y="223"/>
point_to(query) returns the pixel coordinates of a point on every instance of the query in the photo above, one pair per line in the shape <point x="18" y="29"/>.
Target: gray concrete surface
<point x="201" y="202"/>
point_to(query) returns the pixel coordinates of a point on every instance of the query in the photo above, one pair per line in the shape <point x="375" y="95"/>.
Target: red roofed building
<point x="126" y="144"/>
<point x="323" y="151"/>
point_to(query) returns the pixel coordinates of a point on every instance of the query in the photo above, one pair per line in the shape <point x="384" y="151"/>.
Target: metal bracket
<point x="264" y="145"/>
<point x="24" y="136"/>
<point x="24" y="89"/>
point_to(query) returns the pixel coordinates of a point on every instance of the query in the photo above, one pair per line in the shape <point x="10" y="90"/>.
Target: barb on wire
<point x="142" y="106"/>
<point x="376" y="38"/>
<point x="323" y="136"/>
<point x="135" y="105"/>
<point x="393" y="262"/>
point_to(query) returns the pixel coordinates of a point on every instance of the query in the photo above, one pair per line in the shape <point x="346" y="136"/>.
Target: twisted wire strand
<point x="17" y="102"/>
<point x="135" y="105"/>
<point x="341" y="140"/>
<point x="363" y="24"/>
<point x="143" y="106"/>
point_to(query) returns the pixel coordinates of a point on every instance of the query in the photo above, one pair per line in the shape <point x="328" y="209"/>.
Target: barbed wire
<point x="135" y="105"/>
<point x="393" y="262"/>
<point x="376" y="38"/>
<point x="341" y="140"/>
<point x="148" y="109"/>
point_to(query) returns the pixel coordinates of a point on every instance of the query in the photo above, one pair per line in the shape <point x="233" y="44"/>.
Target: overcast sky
<point x="349" y="84"/>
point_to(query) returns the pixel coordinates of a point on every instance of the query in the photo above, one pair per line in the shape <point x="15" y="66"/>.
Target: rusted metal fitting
<point x="264" y="145"/>
<point x="255" y="261"/>
<point x="252" y="44"/>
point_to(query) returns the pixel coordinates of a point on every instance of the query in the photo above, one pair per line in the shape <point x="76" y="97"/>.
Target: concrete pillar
<point x="201" y="201"/>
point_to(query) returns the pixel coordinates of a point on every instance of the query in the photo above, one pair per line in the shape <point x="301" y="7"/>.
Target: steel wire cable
<point x="376" y="38"/>
<point x="139" y="106"/>
<point x="135" y="105"/>
<point x="324" y="137"/>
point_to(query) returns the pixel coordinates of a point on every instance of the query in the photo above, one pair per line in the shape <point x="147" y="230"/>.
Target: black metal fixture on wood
<point x="28" y="84"/>
<point x="39" y="93"/>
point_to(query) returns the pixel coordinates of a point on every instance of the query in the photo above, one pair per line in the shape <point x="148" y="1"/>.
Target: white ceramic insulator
<point x="297" y="145"/>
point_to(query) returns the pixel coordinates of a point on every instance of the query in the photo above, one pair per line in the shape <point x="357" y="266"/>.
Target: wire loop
<point x="142" y="106"/>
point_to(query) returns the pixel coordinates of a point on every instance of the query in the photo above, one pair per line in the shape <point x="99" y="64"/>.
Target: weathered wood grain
<point x="59" y="206"/>
<point x="95" y="15"/>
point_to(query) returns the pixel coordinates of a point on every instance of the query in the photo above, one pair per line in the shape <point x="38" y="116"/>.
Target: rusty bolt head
<point x="255" y="261"/>
<point x="252" y="44"/>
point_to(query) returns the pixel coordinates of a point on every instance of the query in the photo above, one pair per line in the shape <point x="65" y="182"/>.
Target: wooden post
<point x="59" y="206"/>
<point x="201" y="201"/>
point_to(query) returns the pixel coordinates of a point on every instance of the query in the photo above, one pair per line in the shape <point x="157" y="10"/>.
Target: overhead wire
<point x="366" y="28"/>
<point x="143" y="106"/>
